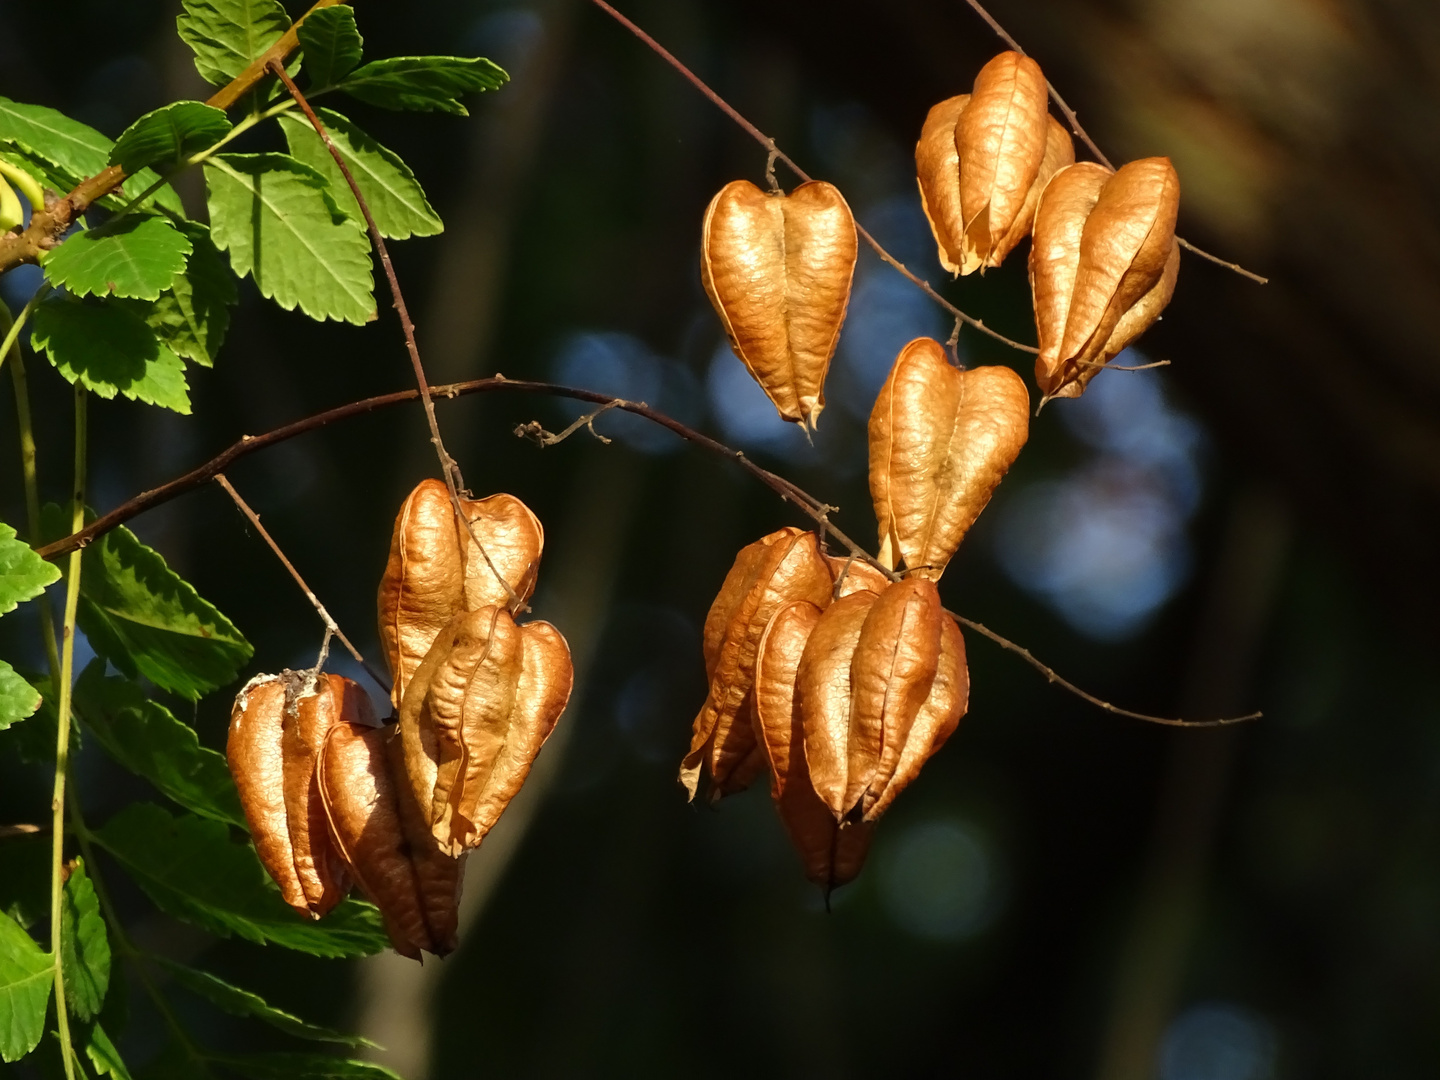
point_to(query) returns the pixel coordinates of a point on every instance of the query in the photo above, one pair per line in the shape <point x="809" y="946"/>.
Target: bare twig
<point x="1112" y="366"/>
<point x="1084" y="136"/>
<point x="776" y="154"/>
<point x="537" y="434"/>
<point x="331" y="627"/>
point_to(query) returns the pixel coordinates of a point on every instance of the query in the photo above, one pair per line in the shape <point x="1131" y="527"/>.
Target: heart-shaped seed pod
<point x="867" y="668"/>
<point x="854" y="575"/>
<point x="436" y="570"/>
<point x="941" y="440"/>
<point x="256" y="756"/>
<point x="936" y="721"/>
<point x="778" y="270"/>
<point x="440" y="877"/>
<point x="779" y="568"/>
<point x="832" y="853"/>
<point x="311" y="710"/>
<point x="1102" y="266"/>
<point x="364" y="817"/>
<point x="983" y="159"/>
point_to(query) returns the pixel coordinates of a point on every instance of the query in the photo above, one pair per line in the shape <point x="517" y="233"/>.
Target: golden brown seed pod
<point x="438" y="876"/>
<point x="832" y="853"/>
<point x="312" y="709"/>
<point x="937" y="172"/>
<point x="941" y="440"/>
<point x="1102" y="266"/>
<point x="936" y="721"/>
<point x="853" y="575"/>
<point x="778" y="270"/>
<point x="514" y="540"/>
<point x="255" y="753"/>
<point x="779" y="568"/>
<point x="363" y="813"/>
<point x="823" y="698"/>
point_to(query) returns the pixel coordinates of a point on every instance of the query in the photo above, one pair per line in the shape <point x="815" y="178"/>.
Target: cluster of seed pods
<point x="334" y="797"/>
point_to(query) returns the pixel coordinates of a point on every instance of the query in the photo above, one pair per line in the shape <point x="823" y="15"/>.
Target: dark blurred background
<point x="1064" y="893"/>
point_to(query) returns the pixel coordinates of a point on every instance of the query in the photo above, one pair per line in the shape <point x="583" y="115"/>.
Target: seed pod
<point x="254" y="752"/>
<point x="983" y="159"/>
<point x="777" y="569"/>
<point x="832" y="853"/>
<point x="778" y="270"/>
<point x="513" y="538"/>
<point x="941" y="440"/>
<point x="853" y="575"/>
<point x="364" y="816"/>
<point x="1102" y="266"/>
<point x="311" y="710"/>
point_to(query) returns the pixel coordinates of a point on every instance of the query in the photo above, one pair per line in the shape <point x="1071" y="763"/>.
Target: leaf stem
<point x="62" y="737"/>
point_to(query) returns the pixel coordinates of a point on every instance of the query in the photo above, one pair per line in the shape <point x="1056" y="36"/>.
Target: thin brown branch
<point x="537" y="434"/>
<point x="1051" y="676"/>
<point x="331" y="627"/>
<point x="776" y="154"/>
<point x="1084" y="136"/>
<point x="49" y="223"/>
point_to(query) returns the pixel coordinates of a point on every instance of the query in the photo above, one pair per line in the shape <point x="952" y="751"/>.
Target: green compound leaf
<point x="192" y="316"/>
<point x="25" y="878"/>
<point x="109" y="350"/>
<point x="192" y="870"/>
<point x="139" y="257"/>
<point x="304" y="1067"/>
<point x="277" y="220"/>
<point x="147" y="739"/>
<point x="34" y="741"/>
<point x="84" y="948"/>
<point x="147" y="620"/>
<point x="240" y="1002"/>
<point x="331" y="43"/>
<point x="396" y="200"/>
<point x="423" y="83"/>
<point x="227" y="34"/>
<point x="18" y="699"/>
<point x="166" y="136"/>
<point x="23" y="574"/>
<point x="104" y="1058"/>
<point x="26" y="972"/>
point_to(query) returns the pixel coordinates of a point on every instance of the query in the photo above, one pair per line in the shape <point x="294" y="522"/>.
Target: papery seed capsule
<point x="941" y="440"/>
<point x="364" y="816"/>
<point x="778" y="269"/>
<point x="514" y="540"/>
<point x="853" y="575"/>
<point x="937" y="172"/>
<point x="777" y="569"/>
<point x="439" y="877"/>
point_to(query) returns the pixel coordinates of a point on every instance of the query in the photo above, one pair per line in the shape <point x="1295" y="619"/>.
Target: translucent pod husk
<point x="1103" y="266"/>
<point x="778" y="269"/>
<point x="937" y="172"/>
<point x="779" y="568"/>
<point x="439" y="877"/>
<point x="941" y="440"/>
<point x="824" y="698"/>
<point x="514" y="540"/>
<point x="364" y="816"/>
<point x="854" y="575"/>
<point x="832" y="853"/>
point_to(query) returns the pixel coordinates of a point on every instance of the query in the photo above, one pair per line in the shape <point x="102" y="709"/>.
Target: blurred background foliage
<point x="1064" y="892"/>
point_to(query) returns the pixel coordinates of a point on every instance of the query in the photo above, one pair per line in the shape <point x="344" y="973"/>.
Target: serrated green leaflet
<point x="331" y="43"/>
<point x="423" y="83"/>
<point x="396" y="200"/>
<point x="23" y="574"/>
<point x="192" y="316"/>
<point x="104" y="1058"/>
<point x="147" y="739"/>
<point x="304" y="1067"/>
<point x="240" y="1002"/>
<point x="192" y="870"/>
<point x="276" y="219"/>
<point x="75" y="147"/>
<point x="26" y="972"/>
<point x="18" y="699"/>
<point x="84" y="948"/>
<point x="109" y="350"/>
<point x="139" y="256"/>
<point x="34" y="741"/>
<point x="25" y="878"/>
<point x="227" y="34"/>
<point x="165" y="136"/>
<point x="56" y="179"/>
<point x="147" y="620"/>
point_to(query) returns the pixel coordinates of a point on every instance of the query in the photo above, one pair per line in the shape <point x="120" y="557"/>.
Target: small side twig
<point x="533" y="431"/>
<point x="1084" y="136"/>
<point x="331" y="627"/>
<point x="1112" y="366"/>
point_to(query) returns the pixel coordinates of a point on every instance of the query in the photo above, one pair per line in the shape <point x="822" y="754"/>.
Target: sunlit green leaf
<point x="192" y="316"/>
<point x="104" y="1058"/>
<point x="109" y="350"/>
<point x="227" y="34"/>
<point x="147" y="739"/>
<point x="305" y="1067"/>
<point x="423" y="83"/>
<point x="25" y="878"/>
<point x="165" y="136"/>
<point x="26" y="972"/>
<point x="331" y="43"/>
<point x="23" y="574"/>
<point x="18" y="699"/>
<point x="192" y="870"/>
<point x="75" y="147"/>
<point x="33" y="742"/>
<point x="276" y="219"/>
<point x="84" y="947"/>
<point x="137" y="256"/>
<point x="394" y="196"/>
